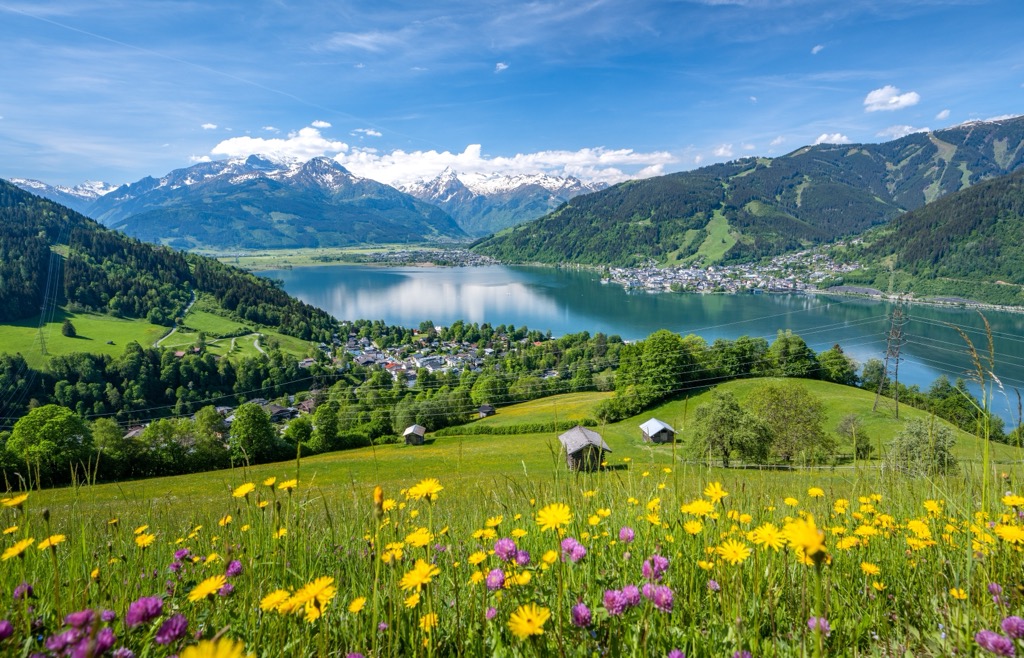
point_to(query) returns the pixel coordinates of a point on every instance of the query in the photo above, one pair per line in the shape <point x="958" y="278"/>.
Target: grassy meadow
<point x="94" y="331"/>
<point x="482" y="545"/>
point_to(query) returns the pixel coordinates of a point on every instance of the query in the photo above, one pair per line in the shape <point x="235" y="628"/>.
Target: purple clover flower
<point x="382" y="626"/>
<point x="654" y="567"/>
<point x="581" y="615"/>
<point x="632" y="595"/>
<point x="614" y="602"/>
<point x="522" y="558"/>
<point x="660" y="595"/>
<point x="491" y="613"/>
<point x="1014" y="627"/>
<point x="495" y="579"/>
<point x="173" y="629"/>
<point x="354" y="654"/>
<point x="108" y="616"/>
<point x="819" y="624"/>
<point x="227" y="589"/>
<point x="6" y="629"/>
<point x="505" y="549"/>
<point x="676" y="653"/>
<point x="714" y="586"/>
<point x="626" y="534"/>
<point x="234" y="569"/>
<point x="23" y="591"/>
<point x="79" y="619"/>
<point x="105" y="639"/>
<point x="123" y="652"/>
<point x="572" y="550"/>
<point x="181" y="553"/>
<point x="742" y="654"/>
<point x="61" y="641"/>
<point x="994" y="642"/>
<point x="143" y="610"/>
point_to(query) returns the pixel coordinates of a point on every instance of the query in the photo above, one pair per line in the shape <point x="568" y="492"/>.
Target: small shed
<point x="658" y="432"/>
<point x="584" y="449"/>
<point x="486" y="410"/>
<point x="414" y="435"/>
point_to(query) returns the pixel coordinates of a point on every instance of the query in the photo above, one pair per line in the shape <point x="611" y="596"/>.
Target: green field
<point x="718" y="241"/>
<point x="274" y="259"/>
<point x="94" y="332"/>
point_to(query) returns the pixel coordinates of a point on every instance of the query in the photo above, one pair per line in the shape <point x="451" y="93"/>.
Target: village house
<point x="655" y="431"/>
<point x="414" y="435"/>
<point x="584" y="449"/>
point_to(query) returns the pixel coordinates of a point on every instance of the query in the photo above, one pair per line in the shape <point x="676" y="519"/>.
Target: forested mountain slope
<point x="757" y="207"/>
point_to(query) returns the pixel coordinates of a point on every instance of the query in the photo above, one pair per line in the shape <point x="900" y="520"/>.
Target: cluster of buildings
<point x="793" y="272"/>
<point x="435" y="356"/>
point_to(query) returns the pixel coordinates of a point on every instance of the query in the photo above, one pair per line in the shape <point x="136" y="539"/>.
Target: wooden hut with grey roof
<point x="656" y="431"/>
<point x="584" y="449"/>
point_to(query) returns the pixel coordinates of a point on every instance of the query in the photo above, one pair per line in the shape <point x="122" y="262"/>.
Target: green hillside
<point x="811" y="196"/>
<point x="967" y="244"/>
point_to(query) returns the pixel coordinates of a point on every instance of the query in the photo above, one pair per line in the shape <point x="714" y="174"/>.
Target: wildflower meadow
<point x="639" y="560"/>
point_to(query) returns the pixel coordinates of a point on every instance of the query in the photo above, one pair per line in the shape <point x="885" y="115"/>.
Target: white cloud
<point x="320" y="124"/>
<point x="500" y="66"/>
<point x="817" y="49"/>
<point x="889" y="98"/>
<point x="270" y="129"/>
<point x="589" y="164"/>
<point x="943" y="115"/>
<point x="198" y="158"/>
<point x="1002" y="117"/>
<point x="749" y="147"/>
<point x="778" y="140"/>
<point x="697" y="159"/>
<point x="895" y="132"/>
<point x="723" y="151"/>
<point x="832" y="138"/>
<point x="367" y="132"/>
<point x="300" y="145"/>
<point x="753" y="99"/>
<point x="209" y="126"/>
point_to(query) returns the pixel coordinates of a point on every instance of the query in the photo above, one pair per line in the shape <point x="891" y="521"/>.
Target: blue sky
<point x="116" y="90"/>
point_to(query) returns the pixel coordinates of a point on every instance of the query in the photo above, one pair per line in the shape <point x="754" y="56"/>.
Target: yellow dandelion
<point x="281" y="532"/>
<point x="274" y="600"/>
<point x="816" y="492"/>
<point x="519" y="533"/>
<point x="225" y="520"/>
<point x="357" y="605"/>
<point x="477" y="578"/>
<point x="791" y="502"/>
<point x="208" y="587"/>
<point x="958" y="593"/>
<point x="412" y="601"/>
<point x="699" y="508"/>
<point x="870" y="569"/>
<point x="879" y="586"/>
<point x="804" y="535"/>
<point x="421" y="574"/>
<point x="550" y="557"/>
<point x="494" y="521"/>
<point x="705" y="565"/>
<point x="715" y="492"/>
<point x="427" y="488"/>
<point x="269" y="482"/>
<point x="10" y="531"/>
<point x="554" y="516"/>
<point x="51" y="542"/>
<point x="141" y="529"/>
<point x="288" y="485"/>
<point x="144" y="540"/>
<point x="528" y="620"/>
<point x="1012" y="500"/>
<point x="476" y="558"/>
<point x="222" y="648"/>
<point x="1011" y="534"/>
<point x="17" y="549"/>
<point x="767" y="535"/>
<point x="419" y="538"/>
<point x="243" y="490"/>
<point x="14" y="501"/>
<point x="733" y="551"/>
<point x="428" y="622"/>
<point x="693" y="527"/>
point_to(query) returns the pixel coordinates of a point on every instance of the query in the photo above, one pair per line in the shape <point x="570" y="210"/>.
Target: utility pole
<point x="894" y="341"/>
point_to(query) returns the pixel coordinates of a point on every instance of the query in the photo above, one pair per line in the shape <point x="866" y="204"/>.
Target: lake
<point x="567" y="301"/>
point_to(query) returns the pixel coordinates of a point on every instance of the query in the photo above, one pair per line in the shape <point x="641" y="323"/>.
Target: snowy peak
<point x="77" y="197"/>
<point x="566" y="186"/>
<point x="442" y="189"/>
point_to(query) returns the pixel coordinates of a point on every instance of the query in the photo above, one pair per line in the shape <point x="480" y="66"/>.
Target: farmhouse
<point x="584" y="449"/>
<point x="657" y="432"/>
<point x="486" y="410"/>
<point x="414" y="435"/>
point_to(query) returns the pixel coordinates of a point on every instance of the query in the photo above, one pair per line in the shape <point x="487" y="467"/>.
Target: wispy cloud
<point x="723" y="151"/>
<point x="895" y="132"/>
<point x="888" y="98"/>
<point x="366" y="132"/>
<point x="817" y="49"/>
<point x="320" y="124"/>
<point x="943" y="115"/>
<point x="500" y="66"/>
<point x="777" y="141"/>
<point x="832" y="138"/>
<point x="209" y="126"/>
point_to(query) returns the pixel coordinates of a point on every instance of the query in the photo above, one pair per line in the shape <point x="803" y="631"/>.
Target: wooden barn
<point x="584" y="449"/>
<point x="655" y="431"/>
<point x="414" y="435"/>
<point x="486" y="410"/>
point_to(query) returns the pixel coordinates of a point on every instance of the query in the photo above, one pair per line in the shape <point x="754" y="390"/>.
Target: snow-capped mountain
<point x="486" y="203"/>
<point x="77" y="198"/>
<point x="260" y="202"/>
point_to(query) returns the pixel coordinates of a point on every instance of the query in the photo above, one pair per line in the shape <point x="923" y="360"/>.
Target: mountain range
<point x="756" y="207"/>
<point x="259" y="202"/>
<point x="484" y="204"/>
